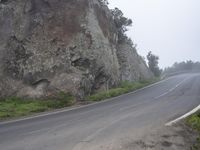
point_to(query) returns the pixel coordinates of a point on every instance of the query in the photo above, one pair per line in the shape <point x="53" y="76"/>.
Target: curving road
<point x="107" y="124"/>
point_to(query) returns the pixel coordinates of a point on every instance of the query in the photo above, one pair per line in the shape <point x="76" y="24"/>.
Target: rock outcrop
<point x="48" y="46"/>
<point x="132" y="66"/>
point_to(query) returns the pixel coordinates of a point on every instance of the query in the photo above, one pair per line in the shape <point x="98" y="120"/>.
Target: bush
<point x="16" y="107"/>
<point x="194" y="121"/>
<point x="124" y="87"/>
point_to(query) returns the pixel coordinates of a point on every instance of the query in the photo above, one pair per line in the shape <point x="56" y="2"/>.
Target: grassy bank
<point x="17" y="107"/>
<point x="194" y="122"/>
<point x="124" y="88"/>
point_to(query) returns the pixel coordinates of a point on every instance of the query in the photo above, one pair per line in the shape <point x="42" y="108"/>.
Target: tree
<point x="121" y="23"/>
<point x="183" y="66"/>
<point x="153" y="64"/>
<point x="104" y="2"/>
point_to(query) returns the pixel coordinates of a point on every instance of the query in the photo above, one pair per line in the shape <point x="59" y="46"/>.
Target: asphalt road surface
<point x="107" y="124"/>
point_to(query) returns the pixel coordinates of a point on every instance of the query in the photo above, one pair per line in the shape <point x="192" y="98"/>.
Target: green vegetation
<point x="120" y="21"/>
<point x="104" y="2"/>
<point x="121" y="24"/>
<point x="125" y="87"/>
<point x="153" y="64"/>
<point x="185" y="66"/>
<point x="194" y="122"/>
<point x="17" y="107"/>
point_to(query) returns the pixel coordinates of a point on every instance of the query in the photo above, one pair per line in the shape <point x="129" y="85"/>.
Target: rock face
<point x="48" y="46"/>
<point x="132" y="66"/>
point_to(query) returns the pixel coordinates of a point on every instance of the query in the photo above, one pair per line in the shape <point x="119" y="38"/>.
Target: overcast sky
<point x="168" y="28"/>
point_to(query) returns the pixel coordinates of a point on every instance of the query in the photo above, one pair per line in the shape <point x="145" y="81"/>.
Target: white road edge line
<point x="172" y="89"/>
<point x="70" y="109"/>
<point x="183" y="117"/>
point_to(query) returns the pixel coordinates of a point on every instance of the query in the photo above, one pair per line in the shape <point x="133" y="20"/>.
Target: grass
<point x="17" y="107"/>
<point x="124" y="87"/>
<point x="194" y="122"/>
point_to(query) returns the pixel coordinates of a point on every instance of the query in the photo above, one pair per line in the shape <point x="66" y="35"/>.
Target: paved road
<point x="105" y="124"/>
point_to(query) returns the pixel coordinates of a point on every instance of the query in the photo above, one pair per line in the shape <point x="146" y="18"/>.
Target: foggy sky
<point x="168" y="28"/>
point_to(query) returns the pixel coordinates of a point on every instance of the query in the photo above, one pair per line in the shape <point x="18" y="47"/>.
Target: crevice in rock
<point x="40" y="82"/>
<point x="82" y="62"/>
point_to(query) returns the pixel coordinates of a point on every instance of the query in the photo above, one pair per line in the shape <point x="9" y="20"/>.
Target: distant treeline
<point x="189" y="66"/>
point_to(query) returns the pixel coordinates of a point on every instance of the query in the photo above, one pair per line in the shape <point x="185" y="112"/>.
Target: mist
<point x="170" y="29"/>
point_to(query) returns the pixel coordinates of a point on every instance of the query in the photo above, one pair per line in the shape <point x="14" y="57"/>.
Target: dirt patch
<point x="178" y="137"/>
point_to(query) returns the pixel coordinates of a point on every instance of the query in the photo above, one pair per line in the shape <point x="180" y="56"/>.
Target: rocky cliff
<point x="48" y="46"/>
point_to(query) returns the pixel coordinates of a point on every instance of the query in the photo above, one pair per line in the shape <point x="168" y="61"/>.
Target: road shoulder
<point x="177" y="137"/>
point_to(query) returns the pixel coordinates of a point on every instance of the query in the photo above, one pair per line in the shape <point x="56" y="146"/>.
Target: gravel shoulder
<point x="176" y="137"/>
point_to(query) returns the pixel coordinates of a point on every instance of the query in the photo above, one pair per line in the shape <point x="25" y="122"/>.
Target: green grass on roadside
<point x="194" y="122"/>
<point x="17" y="107"/>
<point x="125" y="87"/>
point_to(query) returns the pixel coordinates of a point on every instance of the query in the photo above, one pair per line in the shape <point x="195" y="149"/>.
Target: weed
<point x="16" y="107"/>
<point x="123" y="88"/>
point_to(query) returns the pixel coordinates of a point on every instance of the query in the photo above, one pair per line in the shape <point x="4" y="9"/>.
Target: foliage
<point x="153" y="64"/>
<point x="124" y="87"/>
<point x="121" y="23"/>
<point x="194" y="122"/>
<point x="104" y="2"/>
<point x="183" y="66"/>
<point x="16" y="107"/>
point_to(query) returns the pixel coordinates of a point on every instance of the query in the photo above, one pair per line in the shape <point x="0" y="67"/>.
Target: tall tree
<point x="121" y="23"/>
<point x="153" y="64"/>
<point x="183" y="66"/>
